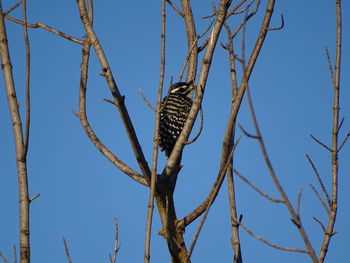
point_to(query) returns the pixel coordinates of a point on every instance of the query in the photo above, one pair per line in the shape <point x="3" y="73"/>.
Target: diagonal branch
<point x="174" y="158"/>
<point x="320" y="199"/>
<point x="321" y="143"/>
<point x="86" y="125"/>
<point x="275" y="200"/>
<point x="269" y="243"/>
<point x="118" y="98"/>
<point x="212" y="197"/>
<point x="12" y="8"/>
<point x="48" y="28"/>
<point x="3" y="258"/>
<point x="66" y="250"/>
<point x="320" y="182"/>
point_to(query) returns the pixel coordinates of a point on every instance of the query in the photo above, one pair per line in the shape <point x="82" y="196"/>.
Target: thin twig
<point x="319" y="180"/>
<point x="321" y="143"/>
<point x="48" y="28"/>
<point x="27" y="78"/>
<point x="330" y="67"/>
<point x="269" y="243"/>
<point x="12" y="8"/>
<point x="320" y="223"/>
<point x="277" y="28"/>
<point x="175" y="8"/>
<point x="246" y="19"/>
<point x="200" y="128"/>
<point x="299" y="202"/>
<point x="187" y="58"/>
<point x="249" y="135"/>
<point x="344" y="141"/>
<point x="238" y="5"/>
<point x="34" y="197"/>
<point x="341" y="124"/>
<point x="3" y="258"/>
<point x="214" y="11"/>
<point x="146" y="100"/>
<point x="66" y="250"/>
<point x="113" y="259"/>
<point x="235" y="12"/>
<point x="320" y="199"/>
<point x="275" y="200"/>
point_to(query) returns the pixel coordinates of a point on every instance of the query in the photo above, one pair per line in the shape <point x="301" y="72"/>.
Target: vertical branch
<point x="191" y="40"/>
<point x="155" y="140"/>
<point x="205" y="67"/>
<point x="21" y="161"/>
<point x="335" y="129"/>
<point x="26" y="40"/>
<point x="236" y="244"/>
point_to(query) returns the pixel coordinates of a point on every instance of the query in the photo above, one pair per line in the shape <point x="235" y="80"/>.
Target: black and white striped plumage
<point x="174" y="112"/>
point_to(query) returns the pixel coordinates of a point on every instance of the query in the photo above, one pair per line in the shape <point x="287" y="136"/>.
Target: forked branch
<point x="117" y="97"/>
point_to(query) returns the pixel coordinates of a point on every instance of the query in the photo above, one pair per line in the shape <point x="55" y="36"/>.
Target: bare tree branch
<point x="12" y="8"/>
<point x="66" y="250"/>
<point x="207" y="58"/>
<point x="275" y="200"/>
<point x="330" y="65"/>
<point x="27" y="77"/>
<point x="271" y="244"/>
<point x="335" y="133"/>
<point x="279" y="27"/>
<point x="321" y="143"/>
<point x="48" y="28"/>
<point x="147" y="254"/>
<point x="299" y="202"/>
<point x="3" y="258"/>
<point x="175" y="8"/>
<point x="86" y="125"/>
<point x="320" y="182"/>
<point x="113" y="259"/>
<point x="21" y="158"/>
<point x="146" y="100"/>
<point x="344" y="141"/>
<point x="213" y="195"/>
<point x="200" y="128"/>
<point x="320" y="223"/>
<point x="118" y="98"/>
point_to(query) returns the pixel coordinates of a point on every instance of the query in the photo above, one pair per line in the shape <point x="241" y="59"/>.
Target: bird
<point x="175" y="108"/>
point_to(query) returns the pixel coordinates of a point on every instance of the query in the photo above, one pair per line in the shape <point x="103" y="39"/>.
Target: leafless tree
<point x="162" y="181"/>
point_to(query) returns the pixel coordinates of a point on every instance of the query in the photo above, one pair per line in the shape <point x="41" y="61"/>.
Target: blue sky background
<point x="81" y="192"/>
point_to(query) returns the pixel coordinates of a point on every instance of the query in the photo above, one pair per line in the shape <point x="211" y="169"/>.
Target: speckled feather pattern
<point x="172" y="119"/>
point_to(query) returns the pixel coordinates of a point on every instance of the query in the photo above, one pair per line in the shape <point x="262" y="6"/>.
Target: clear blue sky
<point x="81" y="192"/>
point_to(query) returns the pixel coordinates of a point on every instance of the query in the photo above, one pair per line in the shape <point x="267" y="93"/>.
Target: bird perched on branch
<point x="174" y="112"/>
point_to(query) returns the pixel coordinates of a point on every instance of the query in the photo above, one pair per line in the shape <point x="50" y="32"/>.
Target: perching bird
<point x="174" y="112"/>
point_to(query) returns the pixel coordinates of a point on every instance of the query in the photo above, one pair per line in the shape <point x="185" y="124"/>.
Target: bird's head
<point x="185" y="88"/>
